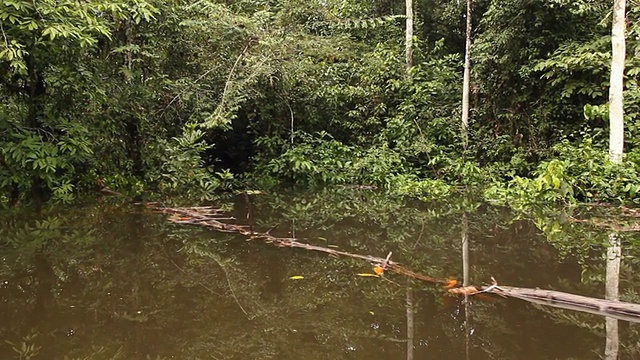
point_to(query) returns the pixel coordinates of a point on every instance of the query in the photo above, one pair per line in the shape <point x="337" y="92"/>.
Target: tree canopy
<point x="163" y="98"/>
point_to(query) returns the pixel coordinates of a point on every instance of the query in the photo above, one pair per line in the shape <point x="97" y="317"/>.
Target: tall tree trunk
<point x="36" y="90"/>
<point x="409" y="34"/>
<point x="466" y="78"/>
<point x="465" y="250"/>
<point x="134" y="145"/>
<point x="616" y="110"/>
<point x="616" y="149"/>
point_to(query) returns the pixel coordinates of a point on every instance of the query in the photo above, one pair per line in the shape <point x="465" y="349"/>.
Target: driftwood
<point x="213" y="218"/>
<point x="615" y="309"/>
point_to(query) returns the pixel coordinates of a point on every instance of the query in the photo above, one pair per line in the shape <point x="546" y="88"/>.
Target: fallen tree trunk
<point x="213" y="218"/>
<point x="611" y="308"/>
<point x="616" y="309"/>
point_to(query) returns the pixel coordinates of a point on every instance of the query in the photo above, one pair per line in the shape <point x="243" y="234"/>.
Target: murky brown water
<point x="112" y="281"/>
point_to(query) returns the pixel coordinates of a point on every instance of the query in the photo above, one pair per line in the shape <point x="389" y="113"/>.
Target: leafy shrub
<point x="317" y="159"/>
<point x="183" y="172"/>
<point x="422" y="189"/>
<point x="580" y="172"/>
<point x="44" y="159"/>
<point x="320" y="159"/>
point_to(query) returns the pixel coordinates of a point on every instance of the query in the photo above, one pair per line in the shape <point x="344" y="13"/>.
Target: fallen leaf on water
<point x="379" y="270"/>
<point x="451" y="283"/>
<point x="368" y="275"/>
<point x="296" y="277"/>
<point x="372" y="313"/>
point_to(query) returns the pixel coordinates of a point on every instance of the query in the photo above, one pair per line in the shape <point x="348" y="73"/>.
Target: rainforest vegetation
<point x="444" y="107"/>
<point x="166" y="98"/>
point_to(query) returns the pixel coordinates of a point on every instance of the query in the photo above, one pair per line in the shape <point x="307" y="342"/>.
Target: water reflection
<point x="612" y="281"/>
<point x="466" y="282"/>
<point x="410" y="322"/>
<point x="106" y="281"/>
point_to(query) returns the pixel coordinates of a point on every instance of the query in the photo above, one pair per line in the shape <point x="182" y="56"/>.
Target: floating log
<point x="213" y="218"/>
<point x="611" y="308"/>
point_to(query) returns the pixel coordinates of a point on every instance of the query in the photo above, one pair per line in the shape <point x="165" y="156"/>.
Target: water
<point x="115" y="281"/>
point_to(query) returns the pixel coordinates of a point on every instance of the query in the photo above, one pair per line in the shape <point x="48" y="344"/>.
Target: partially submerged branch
<point x="616" y="309"/>
<point x="611" y="308"/>
<point x="213" y="218"/>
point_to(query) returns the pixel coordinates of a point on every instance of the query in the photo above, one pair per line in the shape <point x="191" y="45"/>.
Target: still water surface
<point x="115" y="281"/>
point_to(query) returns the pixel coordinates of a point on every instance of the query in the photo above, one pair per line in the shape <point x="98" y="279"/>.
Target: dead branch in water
<point x="213" y="218"/>
<point x="611" y="308"/>
<point x="616" y="309"/>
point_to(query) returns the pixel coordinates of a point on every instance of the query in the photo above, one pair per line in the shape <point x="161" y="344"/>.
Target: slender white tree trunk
<point x="466" y="78"/>
<point x="616" y="110"/>
<point x="616" y="149"/>
<point x="465" y="250"/>
<point x="409" y="34"/>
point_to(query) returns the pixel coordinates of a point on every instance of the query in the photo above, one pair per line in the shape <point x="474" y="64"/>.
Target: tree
<point x="616" y="148"/>
<point x="616" y="110"/>
<point x="409" y="34"/>
<point x="467" y="75"/>
<point x="43" y="46"/>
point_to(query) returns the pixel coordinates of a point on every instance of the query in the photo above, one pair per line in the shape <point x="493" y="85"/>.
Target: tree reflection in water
<point x="106" y="281"/>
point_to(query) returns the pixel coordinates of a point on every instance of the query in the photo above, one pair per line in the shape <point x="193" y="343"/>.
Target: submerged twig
<point x="184" y="272"/>
<point x="233" y="293"/>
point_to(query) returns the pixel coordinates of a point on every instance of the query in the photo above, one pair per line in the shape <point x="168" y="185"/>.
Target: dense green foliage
<point x="187" y="98"/>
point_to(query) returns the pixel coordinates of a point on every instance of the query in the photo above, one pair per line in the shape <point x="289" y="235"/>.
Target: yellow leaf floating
<point x="379" y="270"/>
<point x="372" y="313"/>
<point x="296" y="277"/>
<point x="368" y="275"/>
